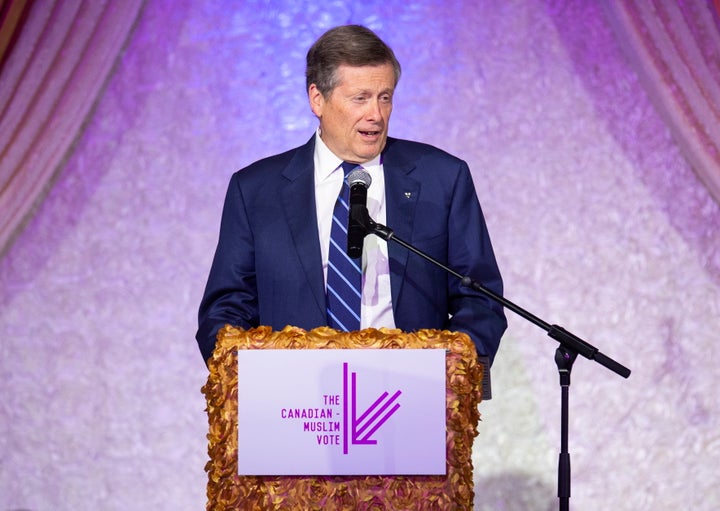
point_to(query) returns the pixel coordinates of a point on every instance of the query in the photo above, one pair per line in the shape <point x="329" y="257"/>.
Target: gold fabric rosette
<point x="227" y="490"/>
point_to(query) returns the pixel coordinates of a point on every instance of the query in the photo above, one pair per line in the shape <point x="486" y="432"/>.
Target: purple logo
<point x="358" y="425"/>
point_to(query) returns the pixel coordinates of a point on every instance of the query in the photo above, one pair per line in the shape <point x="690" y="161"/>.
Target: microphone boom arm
<point x="567" y="340"/>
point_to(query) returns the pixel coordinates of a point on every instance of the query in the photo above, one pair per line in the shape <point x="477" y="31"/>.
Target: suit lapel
<point x="401" y="196"/>
<point x="298" y="197"/>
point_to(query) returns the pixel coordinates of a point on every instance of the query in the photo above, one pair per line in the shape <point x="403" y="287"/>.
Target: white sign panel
<point x="341" y="412"/>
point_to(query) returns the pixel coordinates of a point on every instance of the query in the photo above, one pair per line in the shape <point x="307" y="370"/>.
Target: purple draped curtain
<point x="56" y="55"/>
<point x="674" y="47"/>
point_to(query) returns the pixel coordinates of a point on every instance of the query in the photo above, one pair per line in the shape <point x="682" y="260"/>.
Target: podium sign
<point x="341" y="412"/>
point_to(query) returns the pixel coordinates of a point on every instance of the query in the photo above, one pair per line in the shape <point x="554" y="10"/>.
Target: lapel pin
<point x="408" y="195"/>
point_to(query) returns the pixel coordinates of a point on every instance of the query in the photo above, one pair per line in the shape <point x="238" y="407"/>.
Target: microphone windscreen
<point x="359" y="176"/>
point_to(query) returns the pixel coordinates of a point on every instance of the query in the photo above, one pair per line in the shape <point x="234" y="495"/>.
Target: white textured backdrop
<point x="598" y="223"/>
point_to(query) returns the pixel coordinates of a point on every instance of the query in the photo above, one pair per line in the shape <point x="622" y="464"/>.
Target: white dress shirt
<point x="376" y="309"/>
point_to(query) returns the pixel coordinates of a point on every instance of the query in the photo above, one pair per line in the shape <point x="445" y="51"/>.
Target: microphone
<point x="358" y="180"/>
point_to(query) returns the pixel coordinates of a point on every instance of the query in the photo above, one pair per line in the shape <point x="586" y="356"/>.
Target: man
<point x="271" y="264"/>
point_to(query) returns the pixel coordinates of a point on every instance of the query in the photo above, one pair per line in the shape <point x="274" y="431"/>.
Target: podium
<point x="226" y="490"/>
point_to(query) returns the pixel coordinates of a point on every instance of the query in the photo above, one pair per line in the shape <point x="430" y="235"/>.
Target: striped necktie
<point x="344" y="275"/>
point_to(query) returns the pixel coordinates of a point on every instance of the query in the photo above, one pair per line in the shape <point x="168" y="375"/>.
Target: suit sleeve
<point x="470" y="251"/>
<point x="231" y="292"/>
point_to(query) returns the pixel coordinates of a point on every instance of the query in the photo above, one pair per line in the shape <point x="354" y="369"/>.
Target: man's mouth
<point x="369" y="133"/>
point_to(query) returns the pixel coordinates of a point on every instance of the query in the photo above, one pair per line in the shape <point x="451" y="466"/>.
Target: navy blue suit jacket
<point x="267" y="268"/>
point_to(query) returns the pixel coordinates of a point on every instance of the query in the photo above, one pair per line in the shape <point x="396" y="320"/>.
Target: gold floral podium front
<point x="227" y="490"/>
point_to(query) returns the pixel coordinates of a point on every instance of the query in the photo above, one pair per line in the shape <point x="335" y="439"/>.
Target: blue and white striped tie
<point x="344" y="275"/>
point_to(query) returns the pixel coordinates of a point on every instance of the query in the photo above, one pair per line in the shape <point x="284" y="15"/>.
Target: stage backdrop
<point x="598" y="220"/>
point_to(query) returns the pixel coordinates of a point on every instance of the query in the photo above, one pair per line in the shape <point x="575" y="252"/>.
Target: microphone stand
<point x="570" y="344"/>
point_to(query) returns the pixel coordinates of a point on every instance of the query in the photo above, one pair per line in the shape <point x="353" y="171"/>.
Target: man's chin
<point x="369" y="152"/>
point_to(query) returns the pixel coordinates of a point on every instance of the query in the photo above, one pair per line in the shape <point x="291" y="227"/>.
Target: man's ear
<point x="317" y="101"/>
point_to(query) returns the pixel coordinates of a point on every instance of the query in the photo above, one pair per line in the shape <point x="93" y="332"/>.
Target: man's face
<point x="354" y="117"/>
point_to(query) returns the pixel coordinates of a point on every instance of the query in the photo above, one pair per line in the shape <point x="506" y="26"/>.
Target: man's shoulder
<point x="401" y="144"/>
<point x="415" y="151"/>
<point x="276" y="164"/>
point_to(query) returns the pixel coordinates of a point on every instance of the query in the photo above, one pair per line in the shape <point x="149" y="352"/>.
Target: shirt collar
<point x="326" y="162"/>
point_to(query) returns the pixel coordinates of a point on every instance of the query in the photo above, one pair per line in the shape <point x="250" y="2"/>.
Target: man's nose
<point x="374" y="111"/>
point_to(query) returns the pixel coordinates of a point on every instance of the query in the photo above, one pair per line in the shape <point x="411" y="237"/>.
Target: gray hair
<point x="352" y="45"/>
